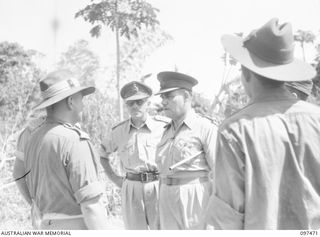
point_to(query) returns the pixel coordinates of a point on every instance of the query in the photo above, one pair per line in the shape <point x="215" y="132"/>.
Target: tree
<point x="81" y="61"/>
<point x="19" y="77"/>
<point x="229" y="64"/>
<point x="125" y="18"/>
<point x="134" y="53"/>
<point x="304" y="37"/>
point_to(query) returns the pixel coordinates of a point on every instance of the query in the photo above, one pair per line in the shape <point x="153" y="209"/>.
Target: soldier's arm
<point x="19" y="172"/>
<point x="107" y="147"/>
<point x="94" y="213"/>
<point x="105" y="162"/>
<point x="88" y="190"/>
<point x="18" y="175"/>
<point x="225" y="209"/>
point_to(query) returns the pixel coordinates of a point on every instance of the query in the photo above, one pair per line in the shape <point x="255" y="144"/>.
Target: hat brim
<point x="136" y="97"/>
<point x="167" y="90"/>
<point x="50" y="101"/>
<point x="297" y="70"/>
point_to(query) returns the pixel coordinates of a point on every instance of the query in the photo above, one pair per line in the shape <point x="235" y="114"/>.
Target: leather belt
<point x="143" y="177"/>
<point x="185" y="180"/>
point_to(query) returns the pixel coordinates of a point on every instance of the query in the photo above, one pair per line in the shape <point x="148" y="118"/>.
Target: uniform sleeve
<point x="209" y="145"/>
<point x="226" y="206"/>
<point x="21" y="144"/>
<point x="108" y="146"/>
<point x="82" y="172"/>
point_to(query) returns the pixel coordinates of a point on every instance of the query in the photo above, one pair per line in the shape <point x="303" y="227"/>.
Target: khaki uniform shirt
<point x="63" y="168"/>
<point x="196" y="134"/>
<point x="24" y="136"/>
<point x="136" y="147"/>
<point x="268" y="167"/>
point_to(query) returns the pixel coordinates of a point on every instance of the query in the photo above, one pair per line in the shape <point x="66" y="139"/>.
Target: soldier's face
<point x="137" y="108"/>
<point x="174" y="104"/>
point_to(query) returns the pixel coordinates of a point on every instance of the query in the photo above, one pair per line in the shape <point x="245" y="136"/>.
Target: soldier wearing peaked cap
<point x="61" y="166"/>
<point x="185" y="156"/>
<point x="267" y="160"/>
<point x="135" y="141"/>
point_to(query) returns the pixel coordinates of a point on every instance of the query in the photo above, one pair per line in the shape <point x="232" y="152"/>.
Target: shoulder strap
<point x="118" y="124"/>
<point x="83" y="135"/>
<point x="216" y="121"/>
<point x="162" y="118"/>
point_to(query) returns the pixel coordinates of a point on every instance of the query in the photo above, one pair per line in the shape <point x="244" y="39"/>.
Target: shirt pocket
<point x="184" y="149"/>
<point x="126" y="153"/>
<point x="151" y="146"/>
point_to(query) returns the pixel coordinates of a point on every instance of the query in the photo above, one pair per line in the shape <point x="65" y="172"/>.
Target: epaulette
<point x="83" y="135"/>
<point x="216" y="121"/>
<point x="118" y="124"/>
<point x="162" y="118"/>
<point x="35" y="123"/>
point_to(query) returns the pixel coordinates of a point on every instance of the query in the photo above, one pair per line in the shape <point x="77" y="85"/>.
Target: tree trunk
<point x="303" y="53"/>
<point x="120" y="107"/>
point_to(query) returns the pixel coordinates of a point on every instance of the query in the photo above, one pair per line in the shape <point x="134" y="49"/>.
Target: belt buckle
<point x="144" y="177"/>
<point x="168" y="181"/>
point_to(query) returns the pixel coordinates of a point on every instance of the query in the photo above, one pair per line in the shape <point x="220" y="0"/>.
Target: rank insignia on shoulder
<point x="83" y="135"/>
<point x="215" y="120"/>
<point x="162" y="118"/>
<point x="120" y="123"/>
<point x="35" y="123"/>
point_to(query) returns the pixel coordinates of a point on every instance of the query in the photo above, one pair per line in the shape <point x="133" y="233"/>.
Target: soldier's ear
<point x="70" y="102"/>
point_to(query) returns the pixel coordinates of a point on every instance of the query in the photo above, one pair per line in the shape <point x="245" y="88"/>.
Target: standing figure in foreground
<point x="135" y="141"/>
<point x="19" y="173"/>
<point x="185" y="156"/>
<point x="60" y="162"/>
<point x="268" y="162"/>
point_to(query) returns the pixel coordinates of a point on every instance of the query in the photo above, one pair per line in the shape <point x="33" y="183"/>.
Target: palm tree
<point x="304" y="37"/>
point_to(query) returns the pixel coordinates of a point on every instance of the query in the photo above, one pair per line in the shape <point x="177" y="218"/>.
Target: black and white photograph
<point x="159" y="115"/>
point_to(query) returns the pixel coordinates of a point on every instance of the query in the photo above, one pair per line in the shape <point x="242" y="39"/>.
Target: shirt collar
<point x="189" y="120"/>
<point x="147" y="124"/>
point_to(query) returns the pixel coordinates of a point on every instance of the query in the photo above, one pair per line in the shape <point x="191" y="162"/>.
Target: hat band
<point x="262" y="51"/>
<point x="59" y="88"/>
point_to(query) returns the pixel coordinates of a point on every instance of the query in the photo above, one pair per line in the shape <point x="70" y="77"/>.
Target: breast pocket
<point x="183" y="149"/>
<point x="126" y="152"/>
<point x="151" y="146"/>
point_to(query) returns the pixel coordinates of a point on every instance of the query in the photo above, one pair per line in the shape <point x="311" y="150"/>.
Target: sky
<point x="196" y="26"/>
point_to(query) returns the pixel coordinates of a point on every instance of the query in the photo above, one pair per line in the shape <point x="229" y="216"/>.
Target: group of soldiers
<point x="259" y="169"/>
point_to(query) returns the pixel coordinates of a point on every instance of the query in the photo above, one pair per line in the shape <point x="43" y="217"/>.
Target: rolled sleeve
<point x="89" y="191"/>
<point x="82" y="172"/>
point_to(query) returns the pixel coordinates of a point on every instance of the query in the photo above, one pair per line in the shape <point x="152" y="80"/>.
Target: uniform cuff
<point x="88" y="192"/>
<point x="222" y="216"/>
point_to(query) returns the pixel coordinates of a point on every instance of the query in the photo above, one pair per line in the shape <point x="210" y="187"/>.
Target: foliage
<point x="134" y="53"/>
<point x="304" y="37"/>
<point x="131" y="16"/>
<point x="124" y="16"/>
<point x="18" y="90"/>
<point x="81" y="61"/>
